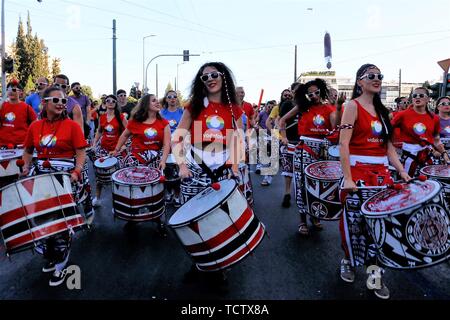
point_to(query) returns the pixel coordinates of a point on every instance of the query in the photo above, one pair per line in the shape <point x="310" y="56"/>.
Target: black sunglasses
<point x="62" y="86"/>
<point x="110" y="101"/>
<point x="56" y="100"/>
<point x="208" y="76"/>
<point x="171" y="97"/>
<point x="372" y="76"/>
<point x="12" y="89"/>
<point x="444" y="104"/>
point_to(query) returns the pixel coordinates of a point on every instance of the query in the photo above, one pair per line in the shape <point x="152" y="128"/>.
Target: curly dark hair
<point x="199" y="92"/>
<point x="380" y="108"/>
<point x="140" y="112"/>
<point x="300" y="95"/>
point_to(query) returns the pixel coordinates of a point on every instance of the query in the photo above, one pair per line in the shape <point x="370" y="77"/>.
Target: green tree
<point x="86" y="90"/>
<point x="29" y="85"/>
<point x="56" y="67"/>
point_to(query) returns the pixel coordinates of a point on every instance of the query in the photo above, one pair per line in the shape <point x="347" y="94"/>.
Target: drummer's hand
<point x="436" y="154"/>
<point x="405" y="176"/>
<point x="25" y="171"/>
<point x="73" y="177"/>
<point x="284" y="141"/>
<point x="162" y="165"/>
<point x="184" y="171"/>
<point x="349" y="185"/>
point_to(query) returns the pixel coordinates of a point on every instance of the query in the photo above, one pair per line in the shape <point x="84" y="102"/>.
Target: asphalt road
<point x="117" y="263"/>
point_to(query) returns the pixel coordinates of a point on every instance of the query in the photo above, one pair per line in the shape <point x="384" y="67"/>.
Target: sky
<point x="255" y="39"/>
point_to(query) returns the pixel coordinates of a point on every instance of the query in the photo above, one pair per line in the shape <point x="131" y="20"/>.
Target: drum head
<point x="334" y="151"/>
<point x="436" y="171"/>
<point x="10" y="154"/>
<point x="391" y="201"/>
<point x="203" y="203"/>
<point x="106" y="163"/>
<point x="324" y="170"/>
<point x="306" y="139"/>
<point x="171" y="159"/>
<point x="139" y="175"/>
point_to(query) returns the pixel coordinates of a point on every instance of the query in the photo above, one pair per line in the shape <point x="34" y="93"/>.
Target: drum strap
<point x="214" y="175"/>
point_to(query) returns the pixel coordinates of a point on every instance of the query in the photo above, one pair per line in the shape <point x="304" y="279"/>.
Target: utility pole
<point x="114" y="58"/>
<point x="295" y="64"/>
<point x="400" y="83"/>
<point x="3" y="52"/>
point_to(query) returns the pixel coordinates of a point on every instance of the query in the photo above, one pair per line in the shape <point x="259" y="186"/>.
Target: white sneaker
<point x="347" y="272"/>
<point x="269" y="179"/>
<point x="96" y="202"/>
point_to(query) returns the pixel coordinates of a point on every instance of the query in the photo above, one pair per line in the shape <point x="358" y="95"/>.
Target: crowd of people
<point x="212" y="136"/>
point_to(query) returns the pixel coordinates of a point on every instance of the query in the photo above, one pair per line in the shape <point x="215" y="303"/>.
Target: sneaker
<point x="265" y="182"/>
<point x="286" y="201"/>
<point x="269" y="179"/>
<point x="49" y="267"/>
<point x="58" y="278"/>
<point x="90" y="218"/>
<point x="176" y="202"/>
<point x="347" y="272"/>
<point x="96" y="202"/>
<point x="258" y="169"/>
<point x="382" y="290"/>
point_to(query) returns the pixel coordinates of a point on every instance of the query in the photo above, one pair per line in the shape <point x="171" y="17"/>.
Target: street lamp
<point x="143" y="56"/>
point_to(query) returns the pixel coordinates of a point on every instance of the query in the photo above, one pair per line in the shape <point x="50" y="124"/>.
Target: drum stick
<point x="214" y="185"/>
<point x="260" y="98"/>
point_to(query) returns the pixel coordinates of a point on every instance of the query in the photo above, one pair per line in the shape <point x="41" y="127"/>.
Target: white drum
<point x="245" y="183"/>
<point x="104" y="168"/>
<point x="8" y="166"/>
<point x="333" y="152"/>
<point x="217" y="228"/>
<point x="138" y="194"/>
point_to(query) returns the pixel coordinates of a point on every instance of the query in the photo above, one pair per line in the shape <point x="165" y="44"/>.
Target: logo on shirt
<point x="377" y="128"/>
<point x="419" y="128"/>
<point x="215" y="122"/>
<point x="109" y="128"/>
<point x="172" y="123"/>
<point x="10" y="117"/>
<point x="447" y="129"/>
<point x="318" y="120"/>
<point x="48" y="141"/>
<point x="150" y="133"/>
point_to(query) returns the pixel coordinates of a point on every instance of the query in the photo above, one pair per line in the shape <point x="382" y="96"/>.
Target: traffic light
<point x="447" y="85"/>
<point x="133" y="92"/>
<point x="435" y="90"/>
<point x="8" y="65"/>
<point x="185" y="55"/>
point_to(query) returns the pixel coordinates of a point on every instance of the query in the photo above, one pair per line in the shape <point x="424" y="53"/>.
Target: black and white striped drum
<point x="9" y="171"/>
<point x="138" y="194"/>
<point x="217" y="227"/>
<point x="104" y="168"/>
<point x="410" y="227"/>
<point x="439" y="173"/>
<point x="322" y="181"/>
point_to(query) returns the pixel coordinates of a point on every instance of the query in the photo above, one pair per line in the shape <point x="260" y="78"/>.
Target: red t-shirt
<point x="213" y="123"/>
<point x="415" y="127"/>
<point x="147" y="136"/>
<point x="367" y="137"/>
<point x="315" y="123"/>
<point x="110" y="131"/>
<point x="249" y="112"/>
<point x="14" y="122"/>
<point x="58" y="139"/>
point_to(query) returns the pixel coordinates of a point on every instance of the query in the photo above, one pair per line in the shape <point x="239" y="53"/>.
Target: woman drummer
<point x="443" y="110"/>
<point x="365" y="151"/>
<point x="172" y="112"/>
<point x="214" y="121"/>
<point x="420" y="133"/>
<point x="56" y="137"/>
<point x="150" y="139"/>
<point x="316" y="119"/>
<point x="111" y="126"/>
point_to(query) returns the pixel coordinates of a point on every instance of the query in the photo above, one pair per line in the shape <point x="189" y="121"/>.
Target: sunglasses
<point x="62" y="86"/>
<point x="419" y="95"/>
<point x="110" y="101"/>
<point x="312" y="94"/>
<point x="122" y="95"/>
<point x="12" y="89"/>
<point x="444" y="104"/>
<point x="76" y="88"/>
<point x="372" y="76"/>
<point x="56" y="100"/>
<point x="403" y="102"/>
<point x="171" y="97"/>
<point x="40" y="84"/>
<point x="208" y="76"/>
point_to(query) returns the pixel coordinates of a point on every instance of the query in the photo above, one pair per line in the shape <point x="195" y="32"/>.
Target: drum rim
<point x="17" y="154"/>
<point x="433" y="175"/>
<point x="33" y="177"/>
<point x="310" y="138"/>
<point x="322" y="179"/>
<point x="114" y="175"/>
<point x="206" y="212"/>
<point x="369" y="215"/>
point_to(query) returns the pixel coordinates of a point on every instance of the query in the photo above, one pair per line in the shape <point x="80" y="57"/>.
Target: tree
<point x="426" y="84"/>
<point x="87" y="91"/>
<point x="168" y="88"/>
<point x="56" y="67"/>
